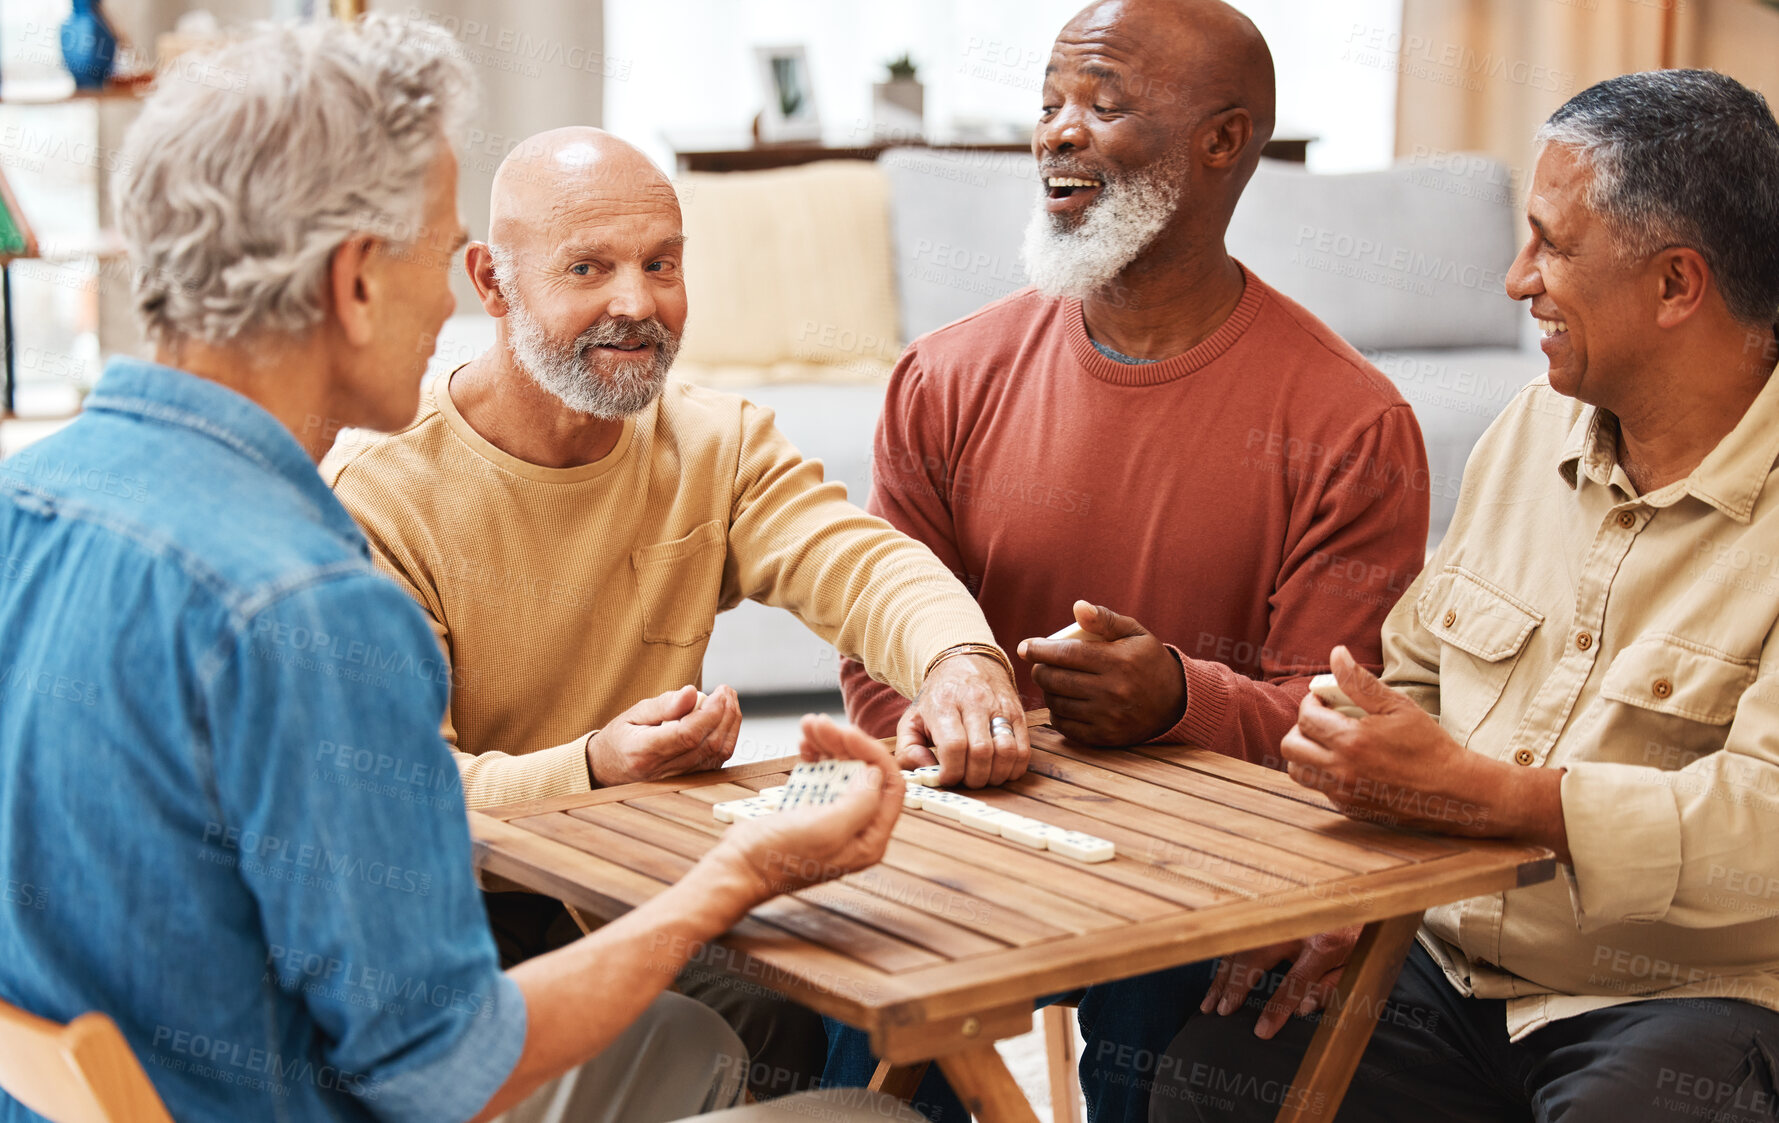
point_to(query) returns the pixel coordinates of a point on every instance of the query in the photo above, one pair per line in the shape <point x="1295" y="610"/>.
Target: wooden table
<point x="941" y="949"/>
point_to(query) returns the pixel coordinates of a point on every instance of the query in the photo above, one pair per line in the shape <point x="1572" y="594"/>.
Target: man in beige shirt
<point x="572" y="524"/>
<point x="1588" y="662"/>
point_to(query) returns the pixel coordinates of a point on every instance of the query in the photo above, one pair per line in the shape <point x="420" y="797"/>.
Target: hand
<point x="1123" y="691"/>
<point x="950" y="724"/>
<point x="1398" y="765"/>
<point x="795" y="849"/>
<point x="1316" y="966"/>
<point x="667" y="735"/>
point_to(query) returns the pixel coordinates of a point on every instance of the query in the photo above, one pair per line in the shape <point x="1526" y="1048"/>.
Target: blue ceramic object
<point x="89" y="46"/>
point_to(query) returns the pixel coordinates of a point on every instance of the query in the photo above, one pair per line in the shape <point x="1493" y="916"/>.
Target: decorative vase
<point x="89" y="46"/>
<point x="896" y="109"/>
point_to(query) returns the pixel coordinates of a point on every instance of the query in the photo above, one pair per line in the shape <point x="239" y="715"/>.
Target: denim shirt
<point x="227" y="819"/>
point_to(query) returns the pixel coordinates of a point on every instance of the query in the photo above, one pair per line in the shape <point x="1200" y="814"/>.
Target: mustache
<point x="611" y="331"/>
<point x="1072" y="169"/>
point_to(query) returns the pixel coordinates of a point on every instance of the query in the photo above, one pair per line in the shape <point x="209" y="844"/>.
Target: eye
<point x="659" y="266"/>
<point x="1047" y="111"/>
<point x="581" y="270"/>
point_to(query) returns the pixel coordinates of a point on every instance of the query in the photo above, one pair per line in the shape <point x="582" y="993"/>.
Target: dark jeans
<point x="1439" y="1055"/>
<point x="1126" y="1025"/>
<point x="786" y="1043"/>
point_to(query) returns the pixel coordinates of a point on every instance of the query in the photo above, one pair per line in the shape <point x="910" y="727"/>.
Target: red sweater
<point x="1252" y="502"/>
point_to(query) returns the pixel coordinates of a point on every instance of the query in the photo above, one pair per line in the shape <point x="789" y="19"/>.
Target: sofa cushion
<point x="1412" y="256"/>
<point x="1456" y="393"/>
<point x="790" y="266"/>
<point x="957" y="219"/>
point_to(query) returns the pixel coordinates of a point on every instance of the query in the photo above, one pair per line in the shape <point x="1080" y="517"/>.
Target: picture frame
<point x="16" y="237"/>
<point x="788" y="89"/>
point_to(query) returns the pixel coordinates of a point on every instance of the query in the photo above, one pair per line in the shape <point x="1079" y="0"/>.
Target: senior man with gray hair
<point x="1588" y="662"/>
<point x="199" y="653"/>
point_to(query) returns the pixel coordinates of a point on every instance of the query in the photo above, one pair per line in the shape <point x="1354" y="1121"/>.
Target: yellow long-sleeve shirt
<point x="562" y="596"/>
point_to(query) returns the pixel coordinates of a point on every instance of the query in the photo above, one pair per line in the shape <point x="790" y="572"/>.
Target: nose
<point x="1523" y="279"/>
<point x="1064" y="133"/>
<point x="631" y="298"/>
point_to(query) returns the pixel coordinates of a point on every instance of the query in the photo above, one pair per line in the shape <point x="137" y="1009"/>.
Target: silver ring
<point x="1000" y="725"/>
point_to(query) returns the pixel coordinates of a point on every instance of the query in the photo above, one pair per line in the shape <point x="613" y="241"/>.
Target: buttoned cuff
<point x="496" y="778"/>
<point x="1207" y="703"/>
<point x="459" y="1082"/>
<point x="1624" y="841"/>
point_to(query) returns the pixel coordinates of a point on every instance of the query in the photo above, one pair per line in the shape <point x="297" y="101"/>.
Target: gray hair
<point x="246" y="170"/>
<point x="1684" y="158"/>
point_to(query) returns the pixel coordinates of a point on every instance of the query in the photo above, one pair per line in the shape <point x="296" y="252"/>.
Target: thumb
<point x="1105" y="623"/>
<point x="671" y="706"/>
<point x="1367" y="691"/>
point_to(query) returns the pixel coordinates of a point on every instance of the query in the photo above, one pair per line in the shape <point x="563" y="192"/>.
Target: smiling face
<point x="589" y="269"/>
<point x="1145" y="105"/>
<point x="1597" y="312"/>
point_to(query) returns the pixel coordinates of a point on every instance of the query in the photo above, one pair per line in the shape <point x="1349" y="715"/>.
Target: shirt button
<point x="1661" y="688"/>
<point x="1451" y="618"/>
<point x="1523" y="757"/>
<point x="1584" y="641"/>
<point x="1627" y="520"/>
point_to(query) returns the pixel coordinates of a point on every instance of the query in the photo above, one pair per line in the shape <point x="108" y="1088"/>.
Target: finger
<point x="1014" y="746"/>
<point x="1320" y="994"/>
<point x="669" y="706"/>
<point x="1214" y="995"/>
<point x="912" y="749"/>
<point x="1066" y="683"/>
<point x="1299" y="749"/>
<point x="949" y="741"/>
<point x="1367" y="691"/>
<point x="915" y="756"/>
<point x="1245" y="972"/>
<point x="1076" y="654"/>
<point x="979" y="766"/>
<point x="1004" y="746"/>
<point x="1103" y="622"/>
<point x="1321" y="722"/>
<point x="1291" y="992"/>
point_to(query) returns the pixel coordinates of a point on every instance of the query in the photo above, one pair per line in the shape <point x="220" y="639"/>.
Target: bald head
<point x="1212" y="54"/>
<point x="550" y="177"/>
<point x="582" y="270"/>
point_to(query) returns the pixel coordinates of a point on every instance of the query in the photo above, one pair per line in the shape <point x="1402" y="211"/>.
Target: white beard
<point x="1084" y="258"/>
<point x="612" y="389"/>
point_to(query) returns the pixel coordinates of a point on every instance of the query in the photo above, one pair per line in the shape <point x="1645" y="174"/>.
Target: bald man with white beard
<point x="572" y="523"/>
<point x="1154" y="445"/>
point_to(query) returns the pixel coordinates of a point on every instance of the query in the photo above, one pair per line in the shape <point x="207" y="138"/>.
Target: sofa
<point x="804" y="283"/>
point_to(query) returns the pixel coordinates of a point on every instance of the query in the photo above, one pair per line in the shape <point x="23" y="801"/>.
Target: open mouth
<point x="1548" y="328"/>
<point x="1069" y="192"/>
<point x="631" y="347"/>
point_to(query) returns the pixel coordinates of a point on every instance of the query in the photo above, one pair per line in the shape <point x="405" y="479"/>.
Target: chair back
<point x="82" y="1072"/>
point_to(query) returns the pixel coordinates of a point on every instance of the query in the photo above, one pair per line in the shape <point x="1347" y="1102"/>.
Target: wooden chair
<point x="82" y="1072"/>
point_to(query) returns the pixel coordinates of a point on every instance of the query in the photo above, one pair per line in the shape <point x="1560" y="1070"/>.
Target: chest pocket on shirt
<point x="1483" y="630"/>
<point x="1669" y="675"/>
<point x="677" y="585"/>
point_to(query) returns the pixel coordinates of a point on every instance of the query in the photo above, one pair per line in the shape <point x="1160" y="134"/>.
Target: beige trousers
<point x="681" y="1060"/>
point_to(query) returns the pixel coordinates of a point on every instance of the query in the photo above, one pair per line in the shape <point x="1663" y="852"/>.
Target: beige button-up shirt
<point x="1567" y="621"/>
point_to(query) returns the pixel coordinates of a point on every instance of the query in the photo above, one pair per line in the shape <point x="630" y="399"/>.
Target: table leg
<point x="1059" y="1054"/>
<point x="1352" y="1014"/>
<point x="980" y="1078"/>
<point x="900" y="1081"/>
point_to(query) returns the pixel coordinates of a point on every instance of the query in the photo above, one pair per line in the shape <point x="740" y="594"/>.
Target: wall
<point x="689" y="65"/>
